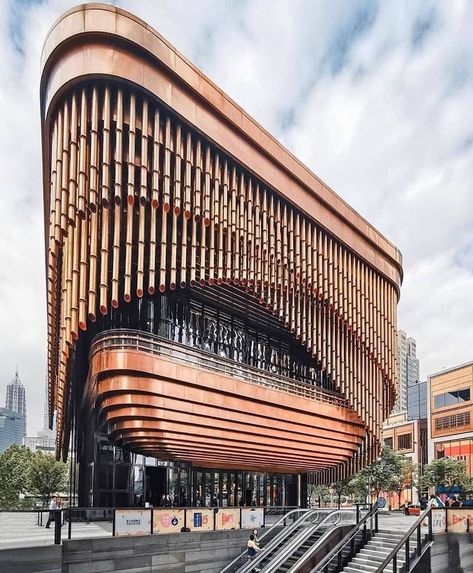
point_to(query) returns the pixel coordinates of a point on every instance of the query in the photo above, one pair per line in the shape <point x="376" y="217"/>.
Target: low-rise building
<point x="450" y="414"/>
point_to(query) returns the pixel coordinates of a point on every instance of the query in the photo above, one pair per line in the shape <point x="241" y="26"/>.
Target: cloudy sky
<point x="376" y="98"/>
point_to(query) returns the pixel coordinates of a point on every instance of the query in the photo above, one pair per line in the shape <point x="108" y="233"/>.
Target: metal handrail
<point x="303" y="536"/>
<point x="308" y="554"/>
<point x="140" y="340"/>
<point x="404" y="541"/>
<point x="346" y="540"/>
<point x="266" y="533"/>
<point x="277" y="540"/>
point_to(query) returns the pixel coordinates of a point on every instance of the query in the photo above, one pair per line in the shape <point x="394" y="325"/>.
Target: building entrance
<point x="155" y="485"/>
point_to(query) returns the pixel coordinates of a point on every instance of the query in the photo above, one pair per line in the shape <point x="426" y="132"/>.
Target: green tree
<point x="14" y="464"/>
<point x="446" y="472"/>
<point x="379" y="475"/>
<point x="317" y="494"/>
<point x="342" y="488"/>
<point x="46" y="476"/>
<point x="402" y="476"/>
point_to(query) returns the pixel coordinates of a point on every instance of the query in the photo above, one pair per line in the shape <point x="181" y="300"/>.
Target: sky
<point x="375" y="97"/>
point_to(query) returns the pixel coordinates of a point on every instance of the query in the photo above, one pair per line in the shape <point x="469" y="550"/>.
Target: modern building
<point x="12" y="428"/>
<point x="417" y="401"/>
<point x="221" y="323"/>
<point x="407" y="369"/>
<point x="16" y="398"/>
<point x="45" y="439"/>
<point x="450" y="411"/>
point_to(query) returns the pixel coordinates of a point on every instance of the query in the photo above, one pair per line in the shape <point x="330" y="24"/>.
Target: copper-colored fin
<point x="197" y="196"/>
<point x="207" y="176"/>
<point x="104" y="256"/>
<point x="167" y="166"/>
<point x="65" y="169"/>
<point x="73" y="157"/>
<point x="83" y="156"/>
<point x="143" y="200"/>
<point x="130" y="207"/>
<point x="106" y="150"/>
<point x="162" y="259"/>
<point x="187" y="176"/>
<point x="156" y="161"/>
<point x="118" y="149"/>
<point x="94" y="153"/>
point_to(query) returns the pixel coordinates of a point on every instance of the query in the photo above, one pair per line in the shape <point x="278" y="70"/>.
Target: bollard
<point x="57" y="526"/>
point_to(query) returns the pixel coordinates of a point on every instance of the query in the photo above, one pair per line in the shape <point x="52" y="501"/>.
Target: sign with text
<point x="227" y="518"/>
<point x="252" y="517"/>
<point x="438" y="521"/>
<point x="132" y="522"/>
<point x="168" y="520"/>
<point x="200" y="519"/>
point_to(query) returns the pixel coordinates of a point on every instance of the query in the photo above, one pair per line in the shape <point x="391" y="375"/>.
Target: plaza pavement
<point x="21" y="530"/>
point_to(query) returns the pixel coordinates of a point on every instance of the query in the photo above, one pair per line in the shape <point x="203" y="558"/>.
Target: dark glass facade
<point x="417" y="401"/>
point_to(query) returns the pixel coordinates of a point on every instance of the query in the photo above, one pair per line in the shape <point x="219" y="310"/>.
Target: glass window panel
<point x="451" y="398"/>
<point x="439" y="401"/>
<point x="464" y="395"/>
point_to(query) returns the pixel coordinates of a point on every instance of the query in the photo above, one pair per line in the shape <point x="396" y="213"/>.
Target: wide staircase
<point x="372" y="555"/>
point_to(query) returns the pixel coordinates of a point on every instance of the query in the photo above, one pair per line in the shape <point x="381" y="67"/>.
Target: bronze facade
<point x="155" y="182"/>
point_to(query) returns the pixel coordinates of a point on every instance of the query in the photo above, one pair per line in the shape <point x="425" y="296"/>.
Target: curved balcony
<point x="162" y="398"/>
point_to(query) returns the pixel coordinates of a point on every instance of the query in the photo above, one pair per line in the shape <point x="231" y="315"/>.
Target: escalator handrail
<point x="302" y="537"/>
<point x="348" y="537"/>
<point x="304" y="512"/>
<point x="277" y="540"/>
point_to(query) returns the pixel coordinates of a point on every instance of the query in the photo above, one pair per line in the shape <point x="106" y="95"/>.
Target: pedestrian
<point x="455" y="502"/>
<point x="251" y="548"/>
<point x="162" y="503"/>
<point x="255" y="533"/>
<point x="433" y="503"/>
<point x="52" y="511"/>
<point x="423" y="503"/>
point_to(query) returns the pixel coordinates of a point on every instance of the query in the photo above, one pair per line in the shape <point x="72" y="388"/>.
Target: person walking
<point x="251" y="548"/>
<point x="52" y="511"/>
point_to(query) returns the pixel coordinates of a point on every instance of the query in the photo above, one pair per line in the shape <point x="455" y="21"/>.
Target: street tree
<point x="14" y="464"/>
<point x="402" y="476"/>
<point x="318" y="494"/>
<point x="46" y="476"/>
<point x="379" y="475"/>
<point x="447" y="472"/>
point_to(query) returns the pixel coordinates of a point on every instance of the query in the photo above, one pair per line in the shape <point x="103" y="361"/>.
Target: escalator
<point x="277" y="537"/>
<point x="295" y="548"/>
<point x="299" y="551"/>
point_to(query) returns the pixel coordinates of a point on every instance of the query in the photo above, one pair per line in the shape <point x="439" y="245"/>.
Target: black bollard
<point x="57" y="526"/>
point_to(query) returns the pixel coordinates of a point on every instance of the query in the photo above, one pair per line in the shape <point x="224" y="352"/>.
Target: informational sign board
<point x="438" y="521"/>
<point x="200" y="519"/>
<point x="168" y="520"/>
<point x="132" y="522"/>
<point x="381" y="502"/>
<point x="227" y="518"/>
<point x="252" y="517"/>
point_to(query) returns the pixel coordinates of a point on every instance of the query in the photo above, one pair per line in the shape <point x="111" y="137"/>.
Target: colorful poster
<point x="168" y="520"/>
<point x="227" y="518"/>
<point x="438" y="521"/>
<point x="200" y="519"/>
<point x="457" y="519"/>
<point x="132" y="522"/>
<point x="252" y="517"/>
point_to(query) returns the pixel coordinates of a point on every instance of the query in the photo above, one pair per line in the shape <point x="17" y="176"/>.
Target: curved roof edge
<point x="105" y="19"/>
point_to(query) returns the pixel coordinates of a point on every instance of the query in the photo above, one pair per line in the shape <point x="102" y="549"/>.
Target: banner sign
<point x="457" y="520"/>
<point x="227" y="518"/>
<point x="132" y="522"/>
<point x="200" y="519"/>
<point x="168" y="520"/>
<point x="252" y="517"/>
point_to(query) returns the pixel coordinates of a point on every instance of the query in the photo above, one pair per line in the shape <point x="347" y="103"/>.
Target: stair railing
<point x="235" y="564"/>
<point x="351" y="544"/>
<point x="404" y="544"/>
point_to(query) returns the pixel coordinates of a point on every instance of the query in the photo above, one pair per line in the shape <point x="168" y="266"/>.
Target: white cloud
<point x="375" y="99"/>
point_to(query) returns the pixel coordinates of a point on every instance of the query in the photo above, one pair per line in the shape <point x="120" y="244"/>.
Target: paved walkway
<point x="396" y="521"/>
<point x="21" y="530"/>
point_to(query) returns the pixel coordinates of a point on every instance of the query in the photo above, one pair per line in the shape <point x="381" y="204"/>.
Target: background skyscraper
<point x="16" y="398"/>
<point x="407" y="369"/>
<point x="13" y="416"/>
